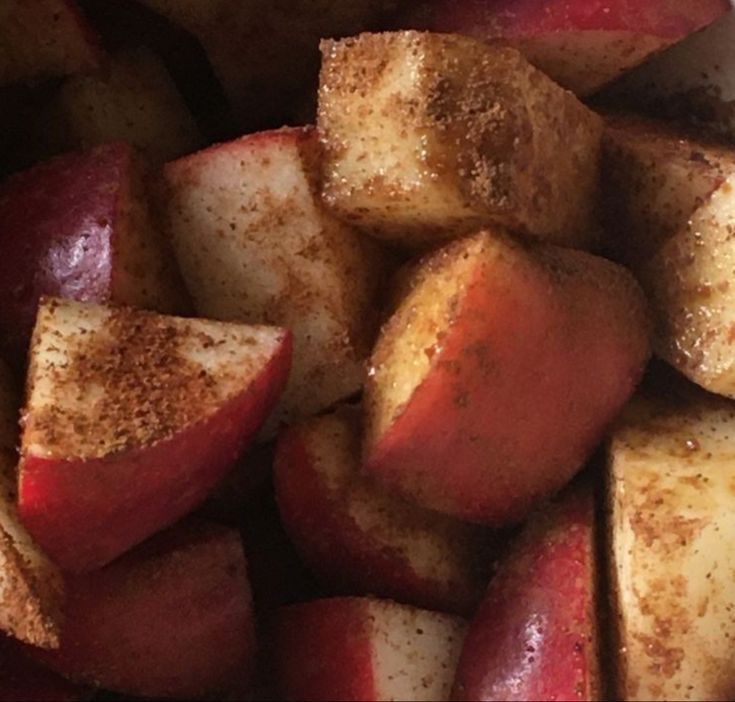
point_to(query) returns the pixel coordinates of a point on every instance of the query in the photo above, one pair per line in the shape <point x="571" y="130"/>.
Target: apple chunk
<point x="132" y="418"/>
<point x="432" y="135"/>
<point x="30" y="585"/>
<point x="672" y="517"/>
<point x="582" y="44"/>
<point x="255" y="245"/>
<point x="499" y="373"/>
<point x="535" y="634"/>
<point x="671" y="208"/>
<point x="173" y="618"/>
<point x="363" y="540"/>
<point x="79" y="226"/>
<point x="365" y="649"/>
<point x="44" y="38"/>
<point x="131" y="98"/>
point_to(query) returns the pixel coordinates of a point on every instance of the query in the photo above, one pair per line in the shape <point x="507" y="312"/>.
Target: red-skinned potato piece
<point x="31" y="588"/>
<point x="172" y="618"/>
<point x="44" y="38"/>
<point x="78" y="226"/>
<point x="22" y="678"/>
<point x="499" y="373"/>
<point x="363" y="540"/>
<point x="582" y="44"/>
<point x="364" y="649"/>
<point x="535" y="634"/>
<point x="132" y="418"/>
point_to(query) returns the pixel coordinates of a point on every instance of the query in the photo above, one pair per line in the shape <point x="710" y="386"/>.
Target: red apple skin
<point x="535" y="636"/>
<point x="61" y="221"/>
<point x="173" y="618"/>
<point x="22" y="678"/>
<point x="67" y="505"/>
<point x="568" y="33"/>
<point x="353" y="560"/>
<point x="544" y="348"/>
<point x="339" y="666"/>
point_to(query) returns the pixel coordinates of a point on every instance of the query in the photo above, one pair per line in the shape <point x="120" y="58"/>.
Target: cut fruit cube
<point x="44" y="38"/>
<point x="79" y="226"/>
<point x="535" y="634"/>
<point x="131" y="420"/>
<point x="365" y="649"/>
<point x="362" y="540"/>
<point x="432" y="135"/>
<point x="171" y="619"/>
<point x="581" y="44"/>
<point x="499" y="374"/>
<point x="31" y="587"/>
<point x="133" y="99"/>
<point x="672" y="517"/>
<point x="255" y="245"/>
<point x="672" y="213"/>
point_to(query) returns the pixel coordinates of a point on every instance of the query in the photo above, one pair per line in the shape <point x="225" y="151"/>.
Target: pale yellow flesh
<point x="254" y="245"/>
<point x="83" y="385"/>
<point x="672" y="473"/>
<point x="132" y="99"/>
<point x="415" y="652"/>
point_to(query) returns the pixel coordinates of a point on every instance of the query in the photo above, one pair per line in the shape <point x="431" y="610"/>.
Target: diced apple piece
<point x="581" y="44"/>
<point x="362" y="540"/>
<point x="672" y="207"/>
<point x="499" y="373"/>
<point x="22" y="678"/>
<point x="255" y="245"/>
<point x="694" y="79"/>
<point x="44" y="38"/>
<point x="132" y="98"/>
<point x="132" y="418"/>
<point x="79" y="226"/>
<point x="673" y="556"/>
<point x="30" y="586"/>
<point x="654" y="178"/>
<point x="535" y="634"/>
<point x="365" y="649"/>
<point x="431" y="135"/>
<point x="173" y="618"/>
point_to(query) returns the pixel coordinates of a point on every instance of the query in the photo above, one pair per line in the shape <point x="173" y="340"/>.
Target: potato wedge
<point x="672" y="517"/>
<point x="432" y="135"/>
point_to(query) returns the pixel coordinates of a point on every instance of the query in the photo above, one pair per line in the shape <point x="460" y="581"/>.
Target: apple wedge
<point x="428" y="136"/>
<point x="255" y="245"/>
<point x="171" y="619"/>
<point x="499" y="374"/>
<point x="365" y="649"/>
<point x="22" y="678"/>
<point x="672" y="516"/>
<point x="43" y="39"/>
<point x="535" y="634"/>
<point x="79" y="226"/>
<point x="671" y="211"/>
<point x="132" y="418"/>
<point x="30" y="585"/>
<point x="581" y="44"/>
<point x="131" y="98"/>
<point x="362" y="540"/>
